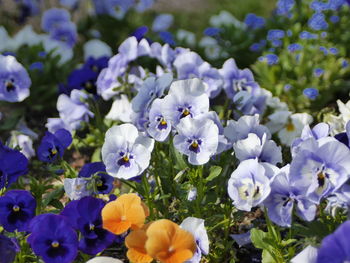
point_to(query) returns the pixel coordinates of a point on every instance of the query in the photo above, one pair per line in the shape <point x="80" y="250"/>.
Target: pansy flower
<point x="135" y="242"/>
<point x="85" y="216"/>
<point x="103" y="182"/>
<point x="126" y="212"/>
<point x="197" y="138"/>
<point x="158" y="127"/>
<point x="77" y="188"/>
<point x="14" y="80"/>
<point x="8" y="249"/>
<point x="185" y="98"/>
<point x="286" y="197"/>
<point x="235" y="79"/>
<point x="168" y="243"/>
<point x="125" y="152"/>
<point x="53" y="17"/>
<point x="17" y="208"/>
<point x="12" y="165"/>
<point x="335" y="247"/>
<point x="74" y="109"/>
<point x="249" y="184"/>
<point x="196" y="227"/>
<point x="52" y="145"/>
<point x="320" y="167"/>
<point x="53" y="239"/>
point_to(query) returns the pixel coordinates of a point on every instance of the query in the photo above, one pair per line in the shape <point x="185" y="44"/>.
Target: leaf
<point x="258" y="238"/>
<point x="52" y="196"/>
<point x="267" y="258"/>
<point x="214" y="172"/>
<point x="96" y="156"/>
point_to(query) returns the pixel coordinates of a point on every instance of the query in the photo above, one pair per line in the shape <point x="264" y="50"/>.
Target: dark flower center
<point x="91" y="227"/>
<point x="56" y="249"/>
<point x="10" y="86"/>
<point x="321" y="178"/>
<point x="53" y="152"/>
<point x="195" y="145"/>
<point x="162" y="124"/>
<point x="185" y="111"/>
<point x="125" y="160"/>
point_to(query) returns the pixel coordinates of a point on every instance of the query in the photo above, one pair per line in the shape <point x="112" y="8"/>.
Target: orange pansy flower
<point x="135" y="242"/>
<point x="126" y="212"/>
<point x="168" y="243"/>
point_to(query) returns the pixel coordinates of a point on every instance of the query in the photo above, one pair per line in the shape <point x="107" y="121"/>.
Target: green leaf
<point x="267" y="258"/>
<point x="52" y="196"/>
<point x="96" y="156"/>
<point x="258" y="238"/>
<point x="214" y="172"/>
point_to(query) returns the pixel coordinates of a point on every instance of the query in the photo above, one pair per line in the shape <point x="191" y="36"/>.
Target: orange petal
<point x="136" y="215"/>
<point x="183" y="240"/>
<point x="159" y="236"/>
<point x="136" y="257"/>
<point x="136" y="239"/>
<point x="116" y="227"/>
<point x="178" y="257"/>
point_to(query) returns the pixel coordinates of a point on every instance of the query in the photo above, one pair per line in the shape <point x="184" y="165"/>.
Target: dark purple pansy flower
<point x="12" y="165"/>
<point x="104" y="182"/>
<point x="8" y="249"/>
<point x="85" y="216"/>
<point x="167" y="37"/>
<point x="53" y="145"/>
<point x="53" y="239"/>
<point x="336" y="247"/>
<point x="140" y="32"/>
<point x="17" y="208"/>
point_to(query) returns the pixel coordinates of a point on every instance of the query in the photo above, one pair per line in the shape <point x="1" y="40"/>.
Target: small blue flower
<point x="212" y="31"/>
<point x="162" y="22"/>
<point x="65" y="32"/>
<point x="344" y="64"/>
<point x="284" y="7"/>
<point x="324" y="34"/>
<point x="37" y="66"/>
<point x="53" y="238"/>
<point x="17" y="208"/>
<point x="311" y="93"/>
<point x="256" y="47"/>
<point x="287" y="87"/>
<point x="319" y="6"/>
<point x="295" y="47"/>
<point x="334" y="19"/>
<point x="324" y="50"/>
<point x="276" y="43"/>
<point x="318" y="22"/>
<point x="307" y="35"/>
<point x="333" y="50"/>
<point x="140" y="32"/>
<point x="318" y="72"/>
<point x="53" y="17"/>
<point x="254" y="22"/>
<point x="53" y="145"/>
<point x="270" y="59"/>
<point x="167" y="37"/>
<point x="14" y="80"/>
<point x="336" y="4"/>
<point x="12" y="165"/>
<point x="274" y="34"/>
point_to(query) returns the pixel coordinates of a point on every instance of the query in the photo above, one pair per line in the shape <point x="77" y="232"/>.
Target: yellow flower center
<point x="125" y="158"/>
<point x="55" y="244"/>
<point x="185" y="112"/>
<point x="16" y="208"/>
<point x="290" y="127"/>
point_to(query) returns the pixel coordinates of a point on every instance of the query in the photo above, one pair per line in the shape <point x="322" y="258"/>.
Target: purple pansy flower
<point x="85" y="215"/>
<point x="53" y="238"/>
<point x="74" y="110"/>
<point x="12" y="165"/>
<point x="8" y="249"/>
<point x="235" y="79"/>
<point x="14" y="80"/>
<point x="53" y="145"/>
<point x="320" y="167"/>
<point x="17" y="208"/>
<point x="284" y="197"/>
<point x="158" y="127"/>
<point x="53" y="17"/>
<point x="336" y="247"/>
<point x="103" y="182"/>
